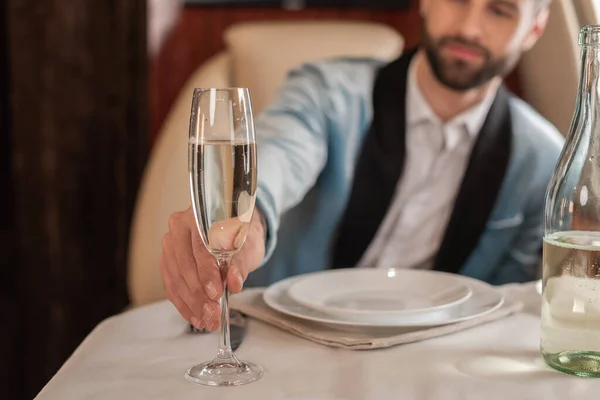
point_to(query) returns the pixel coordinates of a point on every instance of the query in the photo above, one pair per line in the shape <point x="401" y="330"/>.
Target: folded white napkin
<point x="251" y="303"/>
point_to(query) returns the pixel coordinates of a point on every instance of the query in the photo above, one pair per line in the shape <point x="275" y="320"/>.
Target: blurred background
<point x="94" y="93"/>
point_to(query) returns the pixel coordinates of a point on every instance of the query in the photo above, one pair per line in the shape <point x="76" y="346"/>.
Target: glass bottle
<point x="570" y="340"/>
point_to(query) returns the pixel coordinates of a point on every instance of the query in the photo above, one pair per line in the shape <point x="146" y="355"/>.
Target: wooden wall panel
<point x="199" y="32"/>
<point x="10" y="334"/>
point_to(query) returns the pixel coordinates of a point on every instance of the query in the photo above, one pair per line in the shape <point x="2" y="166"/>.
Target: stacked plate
<point x="383" y="297"/>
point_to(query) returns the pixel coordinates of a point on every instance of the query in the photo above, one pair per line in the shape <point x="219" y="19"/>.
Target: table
<point x="144" y="353"/>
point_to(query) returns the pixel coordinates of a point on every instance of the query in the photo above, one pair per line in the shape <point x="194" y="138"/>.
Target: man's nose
<point x="471" y="26"/>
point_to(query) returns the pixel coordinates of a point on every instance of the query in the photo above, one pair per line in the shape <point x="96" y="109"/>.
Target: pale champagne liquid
<point x="223" y="186"/>
<point x="571" y="302"/>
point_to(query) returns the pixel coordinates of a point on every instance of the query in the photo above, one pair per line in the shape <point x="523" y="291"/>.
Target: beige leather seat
<point x="549" y="72"/>
<point x="258" y="55"/>
<point x="588" y="11"/>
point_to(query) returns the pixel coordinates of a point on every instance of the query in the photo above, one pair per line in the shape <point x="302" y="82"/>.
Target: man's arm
<point x="292" y="145"/>
<point x="522" y="261"/>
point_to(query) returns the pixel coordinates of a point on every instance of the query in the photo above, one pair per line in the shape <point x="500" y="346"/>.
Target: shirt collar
<point x="418" y="109"/>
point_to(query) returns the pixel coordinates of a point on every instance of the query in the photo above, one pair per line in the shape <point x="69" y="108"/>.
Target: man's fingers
<point x="238" y="272"/>
<point x="186" y="260"/>
<point x="177" y="301"/>
<point x="206" y="265"/>
<point x="176" y="284"/>
<point x="208" y="272"/>
<point x="215" y="322"/>
<point x="198" y="267"/>
<point x="190" y="272"/>
<point x="228" y="235"/>
<point x="235" y="279"/>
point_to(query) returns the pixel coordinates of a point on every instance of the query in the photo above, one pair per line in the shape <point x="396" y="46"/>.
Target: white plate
<point x="375" y="295"/>
<point x="484" y="299"/>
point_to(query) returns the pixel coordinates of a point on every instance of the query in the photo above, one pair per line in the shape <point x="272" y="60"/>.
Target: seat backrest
<point x="588" y="11"/>
<point x="258" y="56"/>
<point x="263" y="53"/>
<point x="549" y="72"/>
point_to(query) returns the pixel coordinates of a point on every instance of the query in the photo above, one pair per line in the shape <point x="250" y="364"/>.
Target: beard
<point x="460" y="75"/>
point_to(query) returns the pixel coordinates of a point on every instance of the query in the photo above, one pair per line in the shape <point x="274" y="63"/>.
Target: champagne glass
<point x="222" y="167"/>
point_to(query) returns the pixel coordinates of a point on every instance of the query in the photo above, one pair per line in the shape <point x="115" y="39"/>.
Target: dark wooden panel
<point x="79" y="143"/>
<point x="10" y="344"/>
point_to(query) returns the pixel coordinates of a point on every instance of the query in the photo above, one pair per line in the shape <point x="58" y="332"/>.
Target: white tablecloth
<point x="144" y="353"/>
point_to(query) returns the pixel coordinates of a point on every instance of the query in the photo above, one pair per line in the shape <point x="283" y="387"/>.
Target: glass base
<point x="224" y="372"/>
<point x="578" y="362"/>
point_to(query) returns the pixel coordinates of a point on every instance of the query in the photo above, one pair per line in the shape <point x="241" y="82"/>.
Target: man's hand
<point x="190" y="273"/>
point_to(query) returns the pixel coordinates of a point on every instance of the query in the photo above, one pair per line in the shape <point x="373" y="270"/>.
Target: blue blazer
<point x="331" y="151"/>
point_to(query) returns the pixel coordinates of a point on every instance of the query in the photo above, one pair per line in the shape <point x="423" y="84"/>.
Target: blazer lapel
<point x="379" y="166"/>
<point x="480" y="187"/>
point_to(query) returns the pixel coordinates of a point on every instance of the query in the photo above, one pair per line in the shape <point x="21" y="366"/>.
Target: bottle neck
<point x="587" y="108"/>
<point x="589" y="85"/>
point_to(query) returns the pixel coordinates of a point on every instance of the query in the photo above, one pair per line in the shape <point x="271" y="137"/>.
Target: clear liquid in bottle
<point x="571" y="302"/>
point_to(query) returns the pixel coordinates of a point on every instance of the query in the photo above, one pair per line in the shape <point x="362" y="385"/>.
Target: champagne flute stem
<point x="225" y="351"/>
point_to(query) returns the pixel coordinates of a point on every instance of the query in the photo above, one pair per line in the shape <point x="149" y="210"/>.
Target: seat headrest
<point x="263" y="52"/>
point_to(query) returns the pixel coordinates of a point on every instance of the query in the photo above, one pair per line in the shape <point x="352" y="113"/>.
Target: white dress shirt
<point x="436" y="158"/>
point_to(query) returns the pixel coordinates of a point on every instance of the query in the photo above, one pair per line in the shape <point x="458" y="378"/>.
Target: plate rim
<point x="389" y="313"/>
<point x="331" y="320"/>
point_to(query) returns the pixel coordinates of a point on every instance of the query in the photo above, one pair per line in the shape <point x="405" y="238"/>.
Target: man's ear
<point x="537" y="29"/>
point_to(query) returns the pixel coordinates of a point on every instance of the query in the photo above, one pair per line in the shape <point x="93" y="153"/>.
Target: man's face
<point x="469" y="42"/>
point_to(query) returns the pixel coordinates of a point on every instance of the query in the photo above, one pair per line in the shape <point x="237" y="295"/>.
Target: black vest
<point x="381" y="162"/>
